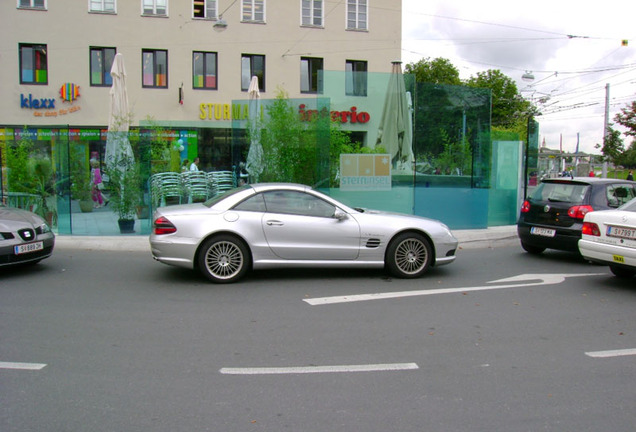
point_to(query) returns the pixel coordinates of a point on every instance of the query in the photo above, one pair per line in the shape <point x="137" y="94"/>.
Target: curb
<point x="468" y="239"/>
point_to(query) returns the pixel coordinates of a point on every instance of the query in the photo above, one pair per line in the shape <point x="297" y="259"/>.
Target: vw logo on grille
<point x="546" y="208"/>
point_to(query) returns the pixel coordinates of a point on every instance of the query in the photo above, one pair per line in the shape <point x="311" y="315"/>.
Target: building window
<point x="356" y="78"/>
<point x="100" y="63"/>
<point x="32" y="4"/>
<point x="204" y="70"/>
<point x="154" y="68"/>
<point x="154" y="7"/>
<point x="311" y="75"/>
<point x="312" y="13"/>
<point x="252" y="65"/>
<point x="357" y="15"/>
<point x="204" y="9"/>
<point x="33" y="64"/>
<point x="102" y="6"/>
<point x="253" y="10"/>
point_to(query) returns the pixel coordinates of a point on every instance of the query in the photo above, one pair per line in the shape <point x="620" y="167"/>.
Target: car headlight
<point x="43" y="229"/>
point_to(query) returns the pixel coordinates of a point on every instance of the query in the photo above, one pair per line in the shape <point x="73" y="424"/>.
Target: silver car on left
<point x="25" y="237"/>
<point x="281" y="225"/>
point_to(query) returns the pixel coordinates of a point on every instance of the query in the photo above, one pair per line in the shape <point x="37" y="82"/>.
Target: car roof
<point x="587" y="180"/>
<point x="262" y="187"/>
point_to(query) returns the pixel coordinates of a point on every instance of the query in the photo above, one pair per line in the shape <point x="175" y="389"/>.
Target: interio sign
<point x="211" y="111"/>
<point x="45" y="107"/>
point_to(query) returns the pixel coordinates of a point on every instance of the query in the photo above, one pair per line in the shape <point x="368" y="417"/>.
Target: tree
<point x="437" y="71"/>
<point x="627" y="119"/>
<point x="628" y="158"/>
<point x="613" y="147"/>
<point x="509" y="109"/>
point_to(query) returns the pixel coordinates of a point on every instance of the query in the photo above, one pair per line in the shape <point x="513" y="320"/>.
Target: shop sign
<point x="211" y="111"/>
<point x="365" y="172"/>
<point x="45" y="107"/>
<point x="351" y="116"/>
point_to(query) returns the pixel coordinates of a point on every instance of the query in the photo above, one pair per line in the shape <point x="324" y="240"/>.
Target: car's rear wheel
<point x="409" y="255"/>
<point x="622" y="272"/>
<point x="224" y="259"/>
<point x="535" y="250"/>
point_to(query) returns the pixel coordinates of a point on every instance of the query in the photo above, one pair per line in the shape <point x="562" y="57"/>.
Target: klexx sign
<point x="45" y="107"/>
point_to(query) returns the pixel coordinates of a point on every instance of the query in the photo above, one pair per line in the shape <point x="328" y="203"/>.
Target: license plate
<point x="545" y="232"/>
<point x="619" y="259"/>
<point x="29" y="247"/>
<point x="628" y="233"/>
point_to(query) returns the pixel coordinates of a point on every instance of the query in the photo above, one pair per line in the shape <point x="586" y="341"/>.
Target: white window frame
<point x="253" y="5"/>
<point x="154" y="8"/>
<point x="102" y="6"/>
<point x="206" y="4"/>
<point x="32" y="5"/>
<point x="307" y="81"/>
<point x="311" y="6"/>
<point x="357" y="6"/>
<point x="356" y="81"/>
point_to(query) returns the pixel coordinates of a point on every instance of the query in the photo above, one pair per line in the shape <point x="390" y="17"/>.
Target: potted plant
<point x="40" y="172"/>
<point x="81" y="181"/>
<point x="125" y="195"/>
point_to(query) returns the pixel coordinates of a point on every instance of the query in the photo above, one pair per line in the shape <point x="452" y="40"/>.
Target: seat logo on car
<point x="546" y="208"/>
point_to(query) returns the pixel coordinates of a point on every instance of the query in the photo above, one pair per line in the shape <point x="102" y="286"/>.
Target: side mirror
<point x="339" y="214"/>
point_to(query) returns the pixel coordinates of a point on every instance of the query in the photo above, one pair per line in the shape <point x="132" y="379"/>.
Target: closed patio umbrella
<point x="119" y="153"/>
<point x="254" y="164"/>
<point x="395" y="132"/>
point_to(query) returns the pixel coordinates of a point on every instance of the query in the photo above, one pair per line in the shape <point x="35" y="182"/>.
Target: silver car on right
<point x="609" y="237"/>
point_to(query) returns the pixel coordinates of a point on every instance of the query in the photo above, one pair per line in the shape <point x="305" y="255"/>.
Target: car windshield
<point x="222" y="196"/>
<point x="630" y="206"/>
<point x="560" y="192"/>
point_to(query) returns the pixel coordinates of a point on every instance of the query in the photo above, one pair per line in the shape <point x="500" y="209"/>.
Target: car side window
<point x="255" y="203"/>
<point x="619" y="194"/>
<point x="298" y="203"/>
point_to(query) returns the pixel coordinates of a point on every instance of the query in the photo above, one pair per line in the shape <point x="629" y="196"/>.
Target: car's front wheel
<point x="224" y="259"/>
<point x="409" y="255"/>
<point x="622" y="272"/>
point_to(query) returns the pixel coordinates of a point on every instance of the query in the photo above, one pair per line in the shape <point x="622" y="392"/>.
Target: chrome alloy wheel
<point x="224" y="260"/>
<point x="411" y="255"/>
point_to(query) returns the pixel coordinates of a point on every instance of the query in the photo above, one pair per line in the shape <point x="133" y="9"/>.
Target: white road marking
<point x="319" y="369"/>
<point x="611" y="353"/>
<point x="22" y="366"/>
<point x="542" y="279"/>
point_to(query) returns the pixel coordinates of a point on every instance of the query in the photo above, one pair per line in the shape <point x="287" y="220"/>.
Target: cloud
<point x="573" y="50"/>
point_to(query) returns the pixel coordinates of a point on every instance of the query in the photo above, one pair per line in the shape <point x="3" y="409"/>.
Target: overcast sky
<point x="573" y="49"/>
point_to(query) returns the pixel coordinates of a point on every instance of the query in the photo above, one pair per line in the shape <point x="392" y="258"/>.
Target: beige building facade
<point x="56" y="56"/>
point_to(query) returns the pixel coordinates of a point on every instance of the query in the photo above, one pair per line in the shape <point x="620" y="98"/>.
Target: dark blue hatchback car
<point x="552" y="216"/>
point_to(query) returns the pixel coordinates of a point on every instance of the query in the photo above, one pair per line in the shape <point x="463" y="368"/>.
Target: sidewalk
<point x="468" y="239"/>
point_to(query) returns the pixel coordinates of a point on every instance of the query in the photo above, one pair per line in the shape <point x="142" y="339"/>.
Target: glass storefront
<point x="445" y="165"/>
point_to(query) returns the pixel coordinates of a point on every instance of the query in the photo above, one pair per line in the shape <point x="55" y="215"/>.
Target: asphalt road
<point x="113" y="341"/>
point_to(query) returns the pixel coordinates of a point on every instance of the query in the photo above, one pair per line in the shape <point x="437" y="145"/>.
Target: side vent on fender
<point x="373" y="243"/>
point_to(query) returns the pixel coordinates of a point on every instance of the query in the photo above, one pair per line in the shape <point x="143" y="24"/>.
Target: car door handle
<point x="274" y="223"/>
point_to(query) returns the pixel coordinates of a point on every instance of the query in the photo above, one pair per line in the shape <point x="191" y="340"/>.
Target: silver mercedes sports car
<point x="24" y="237"/>
<point x="275" y="225"/>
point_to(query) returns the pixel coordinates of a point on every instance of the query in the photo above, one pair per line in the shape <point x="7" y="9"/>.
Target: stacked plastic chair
<point x="166" y="188"/>
<point x="195" y="186"/>
<point x="224" y="180"/>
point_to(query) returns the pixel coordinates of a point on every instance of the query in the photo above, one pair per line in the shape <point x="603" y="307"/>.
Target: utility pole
<point x="606" y="125"/>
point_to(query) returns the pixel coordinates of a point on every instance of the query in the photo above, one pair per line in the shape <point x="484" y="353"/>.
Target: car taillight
<point x="163" y="226"/>
<point x="525" y="207"/>
<point x="592" y="229"/>
<point x="579" y="212"/>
